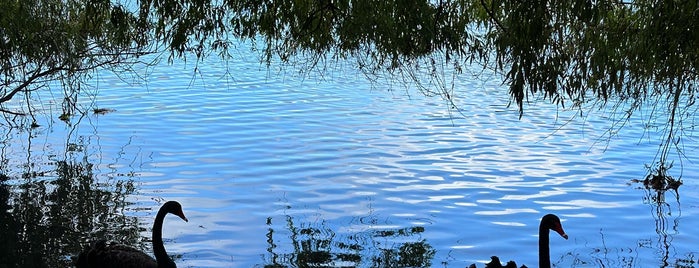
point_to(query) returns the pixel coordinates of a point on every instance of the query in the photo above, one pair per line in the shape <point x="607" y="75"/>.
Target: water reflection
<point x="666" y="220"/>
<point x="334" y="151"/>
<point x="666" y="214"/>
<point x="53" y="209"/>
<point x="316" y="245"/>
<point x="49" y="208"/>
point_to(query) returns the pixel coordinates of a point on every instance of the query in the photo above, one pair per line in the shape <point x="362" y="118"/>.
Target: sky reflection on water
<point x="260" y="156"/>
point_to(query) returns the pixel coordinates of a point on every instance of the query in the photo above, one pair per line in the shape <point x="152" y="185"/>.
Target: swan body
<point x="106" y="255"/>
<point x="495" y="263"/>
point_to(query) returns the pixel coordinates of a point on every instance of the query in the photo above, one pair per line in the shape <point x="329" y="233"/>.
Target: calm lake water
<point x="276" y="169"/>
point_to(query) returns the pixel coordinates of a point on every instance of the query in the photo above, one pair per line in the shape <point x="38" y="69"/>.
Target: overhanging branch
<point x="30" y="80"/>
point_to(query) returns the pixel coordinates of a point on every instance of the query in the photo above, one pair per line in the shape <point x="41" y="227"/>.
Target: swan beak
<point x="181" y="215"/>
<point x="559" y="229"/>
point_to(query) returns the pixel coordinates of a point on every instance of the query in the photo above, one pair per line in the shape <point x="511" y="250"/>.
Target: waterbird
<point x="110" y="255"/>
<point x="548" y="222"/>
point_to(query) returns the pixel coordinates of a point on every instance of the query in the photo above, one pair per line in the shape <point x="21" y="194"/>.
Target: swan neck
<point x="158" y="247"/>
<point x="544" y="258"/>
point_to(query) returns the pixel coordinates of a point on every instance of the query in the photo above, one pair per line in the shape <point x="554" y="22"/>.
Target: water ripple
<point x="264" y="156"/>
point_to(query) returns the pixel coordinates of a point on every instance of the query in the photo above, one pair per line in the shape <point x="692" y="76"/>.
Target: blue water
<point x="256" y="154"/>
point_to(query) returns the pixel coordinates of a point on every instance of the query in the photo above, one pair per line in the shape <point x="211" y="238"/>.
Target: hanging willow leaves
<point x="631" y="54"/>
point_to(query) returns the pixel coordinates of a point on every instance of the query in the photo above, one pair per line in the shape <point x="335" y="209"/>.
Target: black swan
<point x="104" y="255"/>
<point x="548" y="222"/>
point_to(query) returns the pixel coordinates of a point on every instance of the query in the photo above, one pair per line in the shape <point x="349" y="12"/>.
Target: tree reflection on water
<point x="320" y="246"/>
<point x="52" y="204"/>
<point x="667" y="216"/>
<point x="55" y="203"/>
<point x="54" y="200"/>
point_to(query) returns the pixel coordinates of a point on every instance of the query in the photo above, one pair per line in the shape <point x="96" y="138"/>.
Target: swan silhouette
<point x="105" y="255"/>
<point x="548" y="222"/>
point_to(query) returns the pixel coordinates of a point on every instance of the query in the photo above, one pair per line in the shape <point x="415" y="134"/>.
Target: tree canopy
<point x="631" y="54"/>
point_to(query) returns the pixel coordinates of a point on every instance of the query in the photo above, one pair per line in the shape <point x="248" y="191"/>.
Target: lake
<point x="278" y="169"/>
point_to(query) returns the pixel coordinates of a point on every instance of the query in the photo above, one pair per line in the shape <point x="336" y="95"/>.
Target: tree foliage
<point x="62" y="41"/>
<point x="631" y="54"/>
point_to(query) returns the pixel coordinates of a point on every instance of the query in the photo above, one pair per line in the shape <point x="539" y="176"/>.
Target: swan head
<point x="552" y="222"/>
<point x="174" y="207"/>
